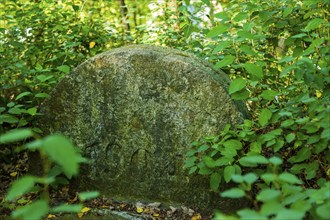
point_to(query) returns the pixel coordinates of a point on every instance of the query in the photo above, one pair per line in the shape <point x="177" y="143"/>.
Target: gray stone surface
<point x="134" y="112"/>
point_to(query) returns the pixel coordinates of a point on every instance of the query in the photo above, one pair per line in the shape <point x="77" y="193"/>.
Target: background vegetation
<point x="276" y="52"/>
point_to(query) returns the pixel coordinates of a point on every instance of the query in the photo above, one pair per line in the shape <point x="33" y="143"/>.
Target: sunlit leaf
<point x="269" y="94"/>
<point x="88" y="195"/>
<point x="229" y="171"/>
<point x="227" y="60"/>
<point x="268" y="194"/>
<point x="237" y="85"/>
<point x="216" y="31"/>
<point x="19" y="187"/>
<point x="67" y="208"/>
<point x="36" y="210"/>
<point x="62" y="151"/>
<point x="289" y="178"/>
<point x="254" y="70"/>
<point x="16" y="135"/>
<point x="264" y="116"/>
<point x="233" y="193"/>
<point x="313" y="24"/>
<point x="64" y="68"/>
<point x="222" y="45"/>
<point x="22" y="95"/>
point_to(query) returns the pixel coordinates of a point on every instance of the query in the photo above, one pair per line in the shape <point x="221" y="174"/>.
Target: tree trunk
<point x="124" y="16"/>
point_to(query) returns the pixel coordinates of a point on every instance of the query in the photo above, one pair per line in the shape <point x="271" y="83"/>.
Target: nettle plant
<point x="59" y="156"/>
<point x="278" y="56"/>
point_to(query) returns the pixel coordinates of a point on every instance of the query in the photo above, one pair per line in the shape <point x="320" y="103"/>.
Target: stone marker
<point x="134" y="112"/>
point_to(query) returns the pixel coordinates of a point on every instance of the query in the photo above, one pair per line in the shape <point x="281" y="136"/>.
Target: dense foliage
<point x="277" y="53"/>
<point x="278" y="56"/>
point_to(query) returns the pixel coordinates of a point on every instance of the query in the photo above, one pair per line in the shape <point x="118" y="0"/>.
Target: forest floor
<point x="16" y="165"/>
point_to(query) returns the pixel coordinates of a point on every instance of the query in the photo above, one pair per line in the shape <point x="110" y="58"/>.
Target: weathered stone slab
<point x="134" y="112"/>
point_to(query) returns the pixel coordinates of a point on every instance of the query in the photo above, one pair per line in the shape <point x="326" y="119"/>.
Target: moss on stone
<point x="134" y="111"/>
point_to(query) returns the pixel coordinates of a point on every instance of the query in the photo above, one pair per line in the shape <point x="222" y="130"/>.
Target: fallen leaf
<point x="51" y="216"/>
<point x="91" y="44"/>
<point x="196" y="217"/>
<point x="139" y="210"/>
<point x="85" y="209"/>
<point x="13" y="174"/>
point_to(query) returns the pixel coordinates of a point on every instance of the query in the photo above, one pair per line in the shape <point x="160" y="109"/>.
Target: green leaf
<point x="192" y="170"/>
<point x="250" y="215"/>
<point x="209" y="162"/>
<point x="227" y="60"/>
<point x="16" y="135"/>
<point x="278" y="145"/>
<point x="214" y="32"/>
<point x="67" y="208"/>
<point x="240" y="95"/>
<point x="251" y="161"/>
<point x="303" y="154"/>
<point x="268" y="177"/>
<point x="16" y="111"/>
<point x="255" y="147"/>
<point x="228" y="172"/>
<point x="313" y="24"/>
<point x="22" y="95"/>
<point x="237" y="85"/>
<point x="237" y="178"/>
<point x="289" y="214"/>
<point x="36" y="210"/>
<point x="190" y="161"/>
<point x="228" y="152"/>
<point x="254" y="70"/>
<point x="264" y="116"/>
<point x="215" y="180"/>
<point x="32" y="111"/>
<point x="19" y="187"/>
<point x="203" y="148"/>
<point x="299" y="35"/>
<point x="222" y="161"/>
<point x="34" y="145"/>
<point x="207" y="2"/>
<point x="222" y="45"/>
<point x="289" y="178"/>
<point x="241" y="16"/>
<point x="64" y="69"/>
<point x="62" y="151"/>
<point x="88" y="195"/>
<point x="205" y="171"/>
<point x="247" y="49"/>
<point x="233" y="193"/>
<point x="323" y="210"/>
<point x="287" y="123"/>
<point x="8" y="119"/>
<point x="245" y="34"/>
<point x="235" y="144"/>
<point x="290" y="137"/>
<point x="275" y="160"/>
<point x="42" y="95"/>
<point x="271" y="135"/>
<point x="250" y="178"/>
<point x="220" y="216"/>
<point x="287" y="11"/>
<point x="268" y="194"/>
<point x="75" y="7"/>
<point x="269" y="94"/>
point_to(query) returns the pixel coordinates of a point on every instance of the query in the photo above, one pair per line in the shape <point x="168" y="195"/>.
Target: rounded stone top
<point x="134" y="112"/>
